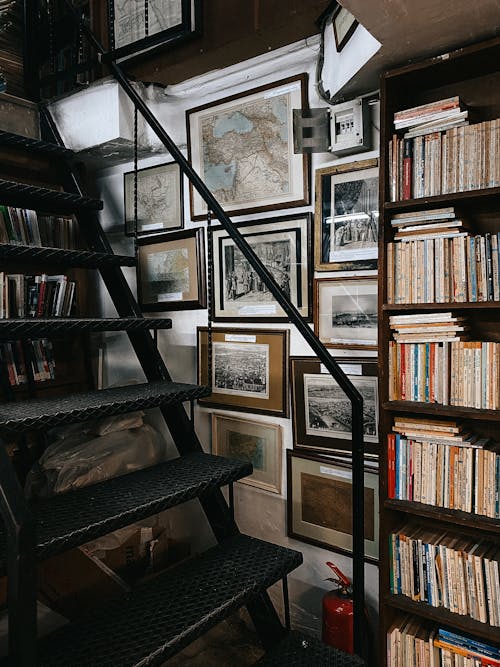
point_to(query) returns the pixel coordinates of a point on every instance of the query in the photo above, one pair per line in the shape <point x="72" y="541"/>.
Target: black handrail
<point x="295" y="318"/>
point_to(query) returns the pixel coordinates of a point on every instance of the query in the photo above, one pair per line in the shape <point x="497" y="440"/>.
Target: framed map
<point x="242" y="147"/>
<point x="133" y="22"/>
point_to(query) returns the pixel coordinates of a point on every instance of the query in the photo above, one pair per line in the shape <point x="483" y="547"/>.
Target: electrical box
<point x="350" y="130"/>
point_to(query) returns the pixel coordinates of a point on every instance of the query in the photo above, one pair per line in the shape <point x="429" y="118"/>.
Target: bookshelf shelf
<point x="467" y="305"/>
<point x="485" y="199"/>
<point x="441" y="514"/>
<point x="438" y="410"/>
<point x="444" y="617"/>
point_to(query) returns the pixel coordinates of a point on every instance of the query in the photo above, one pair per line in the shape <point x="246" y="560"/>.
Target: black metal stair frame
<point x="75" y="258"/>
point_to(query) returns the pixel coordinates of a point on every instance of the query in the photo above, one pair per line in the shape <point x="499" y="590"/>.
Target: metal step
<point x="71" y="519"/>
<point x="167" y="613"/>
<point x="34" y="145"/>
<point x="42" y="413"/>
<point x="76" y="258"/>
<point x="299" y="650"/>
<point x="13" y="193"/>
<point x="35" y="327"/>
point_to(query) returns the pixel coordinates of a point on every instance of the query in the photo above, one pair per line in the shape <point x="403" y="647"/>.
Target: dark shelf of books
<point x="485" y="197"/>
<point x="436" y="409"/>
<point x="440" y="514"/>
<point x="449" y="305"/>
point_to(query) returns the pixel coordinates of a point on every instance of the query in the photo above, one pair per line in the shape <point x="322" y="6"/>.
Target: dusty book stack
<point x="35" y="296"/>
<point x="20" y="226"/>
<point x="35" y="358"/>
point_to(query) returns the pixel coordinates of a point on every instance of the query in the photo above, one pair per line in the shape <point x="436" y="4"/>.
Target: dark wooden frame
<point x="198" y="234"/>
<point x="322" y="444"/>
<point x="317" y="314"/>
<point x="280" y="395"/>
<point x="129" y="225"/>
<point x="306" y="162"/>
<point x="307" y="270"/>
<point x="328" y="462"/>
<point x="339" y="44"/>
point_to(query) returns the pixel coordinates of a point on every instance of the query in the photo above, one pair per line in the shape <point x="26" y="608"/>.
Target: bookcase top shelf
<point x="474" y="521"/>
<point x="484" y="199"/>
<point x="438" y="410"/>
<point x="454" y="305"/>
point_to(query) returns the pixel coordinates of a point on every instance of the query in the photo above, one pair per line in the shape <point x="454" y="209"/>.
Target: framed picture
<point x="344" y="24"/>
<point x="321" y="412"/>
<point x="242" y="147"/>
<point x="283" y="246"/>
<point x="254" y="441"/>
<point x="345" y="312"/>
<point x="171" y="271"/>
<point x="319" y="499"/>
<point x="159" y="199"/>
<point x="249" y="369"/>
<point x="346" y="227"/>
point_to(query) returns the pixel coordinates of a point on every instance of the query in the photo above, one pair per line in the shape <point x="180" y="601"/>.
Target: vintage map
<point x="130" y="24"/>
<point x="158" y="198"/>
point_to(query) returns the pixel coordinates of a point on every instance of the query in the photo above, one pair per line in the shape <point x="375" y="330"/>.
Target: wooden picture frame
<point x="321" y="413"/>
<point x="345" y="312"/>
<point x="160" y="205"/>
<point x="171" y="271"/>
<point x="346" y="217"/>
<point x="284" y="246"/>
<point x="254" y="169"/>
<point x="249" y="369"/>
<point x="344" y="25"/>
<point x="258" y="442"/>
<point x="319" y="504"/>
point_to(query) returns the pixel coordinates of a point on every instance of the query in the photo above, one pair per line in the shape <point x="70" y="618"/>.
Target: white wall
<point x="258" y="513"/>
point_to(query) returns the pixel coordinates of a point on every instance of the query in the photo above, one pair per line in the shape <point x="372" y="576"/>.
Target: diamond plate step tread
<point x="165" y="614"/>
<point x="63" y="325"/>
<point x="34" y="145"/>
<point x="71" y="519"/>
<point x="32" y="196"/>
<point x="42" y="413"/>
<point x="299" y="650"/>
<point x="76" y="258"/>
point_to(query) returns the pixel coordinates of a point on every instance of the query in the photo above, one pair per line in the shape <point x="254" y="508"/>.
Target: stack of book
<point x="409" y="642"/>
<point x="35" y="296"/>
<point x="434" y="260"/>
<point x="442" y="569"/>
<point x="40" y="358"/>
<point x="441" y="153"/>
<point x="20" y="226"/>
<point x="441" y="463"/>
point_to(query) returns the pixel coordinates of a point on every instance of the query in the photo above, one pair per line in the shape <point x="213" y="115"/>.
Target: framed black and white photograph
<point x="171" y="271"/>
<point x="159" y="199"/>
<point x="249" y="369"/>
<point x="242" y="147"/>
<point x="345" y="312"/>
<point x="283" y="245"/>
<point x="258" y="442"/>
<point x="321" y="412"/>
<point x="319" y="503"/>
<point x="346" y="227"/>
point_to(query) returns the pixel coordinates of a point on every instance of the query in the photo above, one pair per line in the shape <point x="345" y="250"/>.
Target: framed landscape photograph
<point x="283" y="245"/>
<point x="321" y="412"/>
<point x="171" y="271"/>
<point x="242" y="147"/>
<point x="319" y="504"/>
<point x="345" y="312"/>
<point x="159" y="199"/>
<point x="249" y="369"/>
<point x="260" y="443"/>
<point x="346" y="227"/>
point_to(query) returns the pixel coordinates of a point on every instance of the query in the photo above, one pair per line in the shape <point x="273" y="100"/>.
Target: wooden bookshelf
<point x="472" y="73"/>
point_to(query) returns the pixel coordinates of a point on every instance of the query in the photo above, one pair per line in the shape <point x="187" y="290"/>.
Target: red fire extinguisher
<point x="338" y="613"/>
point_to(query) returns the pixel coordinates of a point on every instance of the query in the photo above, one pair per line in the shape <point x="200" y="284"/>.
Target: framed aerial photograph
<point x="159" y="199"/>
<point x="260" y="443"/>
<point x="283" y="245"/>
<point x="346" y="220"/>
<point x="345" y="312"/>
<point x="319" y="504"/>
<point x="242" y="147"/>
<point x="249" y="369"/>
<point x="321" y="412"/>
<point x="171" y="271"/>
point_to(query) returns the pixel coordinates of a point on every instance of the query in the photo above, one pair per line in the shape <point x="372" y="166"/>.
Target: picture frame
<point x="284" y="246"/>
<point x="344" y="25"/>
<point x="345" y="312"/>
<point x="346" y="216"/>
<point x="317" y="424"/>
<point x="159" y="199"/>
<point x="249" y="369"/>
<point x="258" y="442"/>
<point x="171" y="271"/>
<point x="242" y="147"/>
<point x="319" y="504"/>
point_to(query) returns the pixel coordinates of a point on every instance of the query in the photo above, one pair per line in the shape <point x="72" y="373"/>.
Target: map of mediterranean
<point x="245" y="156"/>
